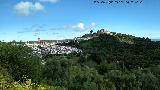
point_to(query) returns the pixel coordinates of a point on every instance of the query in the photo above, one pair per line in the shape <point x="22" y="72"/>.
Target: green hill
<point x="125" y="50"/>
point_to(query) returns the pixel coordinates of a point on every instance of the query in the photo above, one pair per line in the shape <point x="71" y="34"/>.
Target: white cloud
<point x="93" y="24"/>
<point x="38" y="6"/>
<point x="26" y="8"/>
<point x="79" y="26"/>
<point x="50" y="1"/>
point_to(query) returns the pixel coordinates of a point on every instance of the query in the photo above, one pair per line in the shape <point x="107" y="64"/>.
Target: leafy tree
<point x="5" y="79"/>
<point x="91" y="31"/>
<point x="19" y="61"/>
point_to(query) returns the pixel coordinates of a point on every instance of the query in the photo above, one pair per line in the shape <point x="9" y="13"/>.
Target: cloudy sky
<point x="60" y="19"/>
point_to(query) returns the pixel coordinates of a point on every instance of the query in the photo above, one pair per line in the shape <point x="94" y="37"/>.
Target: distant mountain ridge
<point x="155" y="39"/>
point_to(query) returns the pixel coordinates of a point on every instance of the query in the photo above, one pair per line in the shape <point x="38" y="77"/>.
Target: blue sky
<point x="64" y="19"/>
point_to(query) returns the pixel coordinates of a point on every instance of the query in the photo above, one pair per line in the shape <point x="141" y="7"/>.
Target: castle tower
<point x="39" y="40"/>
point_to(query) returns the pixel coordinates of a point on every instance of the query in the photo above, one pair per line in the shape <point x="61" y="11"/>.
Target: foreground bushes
<point x="19" y="61"/>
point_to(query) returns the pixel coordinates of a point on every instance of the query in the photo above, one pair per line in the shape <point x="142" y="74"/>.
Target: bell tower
<point x="39" y="40"/>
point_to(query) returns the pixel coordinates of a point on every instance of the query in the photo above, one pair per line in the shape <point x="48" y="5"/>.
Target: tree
<point x="91" y="31"/>
<point x="5" y="79"/>
<point x="20" y="61"/>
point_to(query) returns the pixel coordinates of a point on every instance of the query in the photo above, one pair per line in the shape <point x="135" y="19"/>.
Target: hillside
<point x="108" y="61"/>
<point x="128" y="51"/>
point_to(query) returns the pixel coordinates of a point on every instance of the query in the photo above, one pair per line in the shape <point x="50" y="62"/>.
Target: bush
<point x="19" y="61"/>
<point x="5" y="79"/>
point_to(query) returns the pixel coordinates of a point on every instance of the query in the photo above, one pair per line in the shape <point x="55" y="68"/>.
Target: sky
<point x="27" y="20"/>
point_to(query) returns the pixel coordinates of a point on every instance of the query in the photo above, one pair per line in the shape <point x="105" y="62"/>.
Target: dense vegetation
<point x="108" y="62"/>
